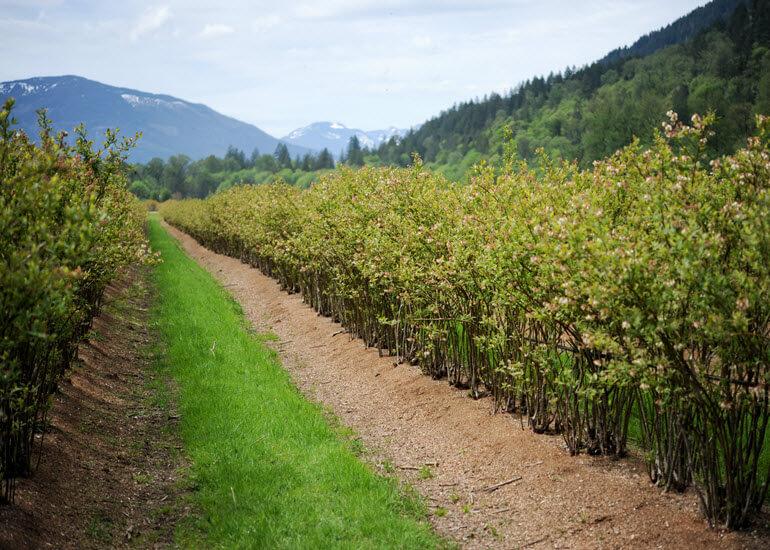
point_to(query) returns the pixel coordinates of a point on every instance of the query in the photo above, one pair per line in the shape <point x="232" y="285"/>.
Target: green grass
<point x="269" y="469"/>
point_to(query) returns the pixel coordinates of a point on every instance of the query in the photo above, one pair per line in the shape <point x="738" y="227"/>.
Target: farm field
<point x="460" y="303"/>
<point x="452" y="449"/>
<point x="620" y="307"/>
<point x="406" y="427"/>
<point x="273" y="426"/>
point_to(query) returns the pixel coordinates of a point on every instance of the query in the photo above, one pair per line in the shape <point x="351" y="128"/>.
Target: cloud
<point x="151" y="20"/>
<point x="410" y="58"/>
<point x="401" y="8"/>
<point x="215" y="30"/>
<point x="28" y="25"/>
<point x="422" y="41"/>
<point x="266" y="22"/>
<point x="32" y="3"/>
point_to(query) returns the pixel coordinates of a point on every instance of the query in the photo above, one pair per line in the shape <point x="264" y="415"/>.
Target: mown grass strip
<point x="270" y="471"/>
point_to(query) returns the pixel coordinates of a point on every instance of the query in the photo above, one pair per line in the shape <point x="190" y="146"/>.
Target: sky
<point x="282" y="65"/>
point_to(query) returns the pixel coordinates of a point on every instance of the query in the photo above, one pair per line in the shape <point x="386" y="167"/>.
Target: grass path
<point x="270" y="469"/>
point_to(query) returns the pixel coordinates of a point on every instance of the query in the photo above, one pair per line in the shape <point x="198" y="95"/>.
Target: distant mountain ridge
<point x="169" y="125"/>
<point x="677" y="32"/>
<point x="335" y="136"/>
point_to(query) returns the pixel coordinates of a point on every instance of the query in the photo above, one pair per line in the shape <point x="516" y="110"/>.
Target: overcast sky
<point x="279" y="65"/>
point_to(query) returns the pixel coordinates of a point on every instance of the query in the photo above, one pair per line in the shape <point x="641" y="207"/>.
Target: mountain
<point x="711" y="60"/>
<point x="335" y="137"/>
<point x="169" y="125"/>
<point x="677" y="32"/>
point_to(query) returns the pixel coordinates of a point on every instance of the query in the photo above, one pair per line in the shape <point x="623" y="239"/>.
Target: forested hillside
<point x="587" y="114"/>
<point x="677" y="32"/>
<point x="717" y="58"/>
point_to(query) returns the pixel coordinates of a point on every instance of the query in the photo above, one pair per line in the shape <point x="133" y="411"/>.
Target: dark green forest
<point x="715" y="59"/>
<point x="679" y="31"/>
<point x="179" y="176"/>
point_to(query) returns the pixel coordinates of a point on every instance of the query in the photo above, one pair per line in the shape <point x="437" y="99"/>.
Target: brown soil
<point x="453" y="449"/>
<point x="110" y="462"/>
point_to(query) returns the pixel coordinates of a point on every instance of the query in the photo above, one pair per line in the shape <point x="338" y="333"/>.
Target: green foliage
<point x="68" y="225"/>
<point x="573" y="296"/>
<point x="178" y="177"/>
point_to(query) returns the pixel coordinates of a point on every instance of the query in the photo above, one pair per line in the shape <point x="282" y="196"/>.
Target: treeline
<point x="179" y="176"/>
<point x="626" y="301"/>
<point x="588" y="113"/>
<point x="679" y="31"/>
<point x="68" y="226"/>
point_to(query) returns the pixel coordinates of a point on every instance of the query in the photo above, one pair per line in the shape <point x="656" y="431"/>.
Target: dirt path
<point x="110" y="461"/>
<point x="452" y="449"/>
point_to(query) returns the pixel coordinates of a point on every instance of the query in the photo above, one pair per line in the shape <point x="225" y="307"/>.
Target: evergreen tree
<point x="282" y="156"/>
<point x="175" y="175"/>
<point x="154" y="169"/>
<point x="236" y="156"/>
<point x="355" y="156"/>
<point x="760" y="13"/>
<point x="325" y="160"/>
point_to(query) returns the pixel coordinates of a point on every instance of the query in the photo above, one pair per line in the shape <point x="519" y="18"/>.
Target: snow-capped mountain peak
<point x="169" y="125"/>
<point x="335" y="136"/>
<point x="151" y="101"/>
<point x="22" y="88"/>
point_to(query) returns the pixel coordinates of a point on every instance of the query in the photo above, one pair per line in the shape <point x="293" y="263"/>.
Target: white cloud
<point x="316" y="10"/>
<point x="370" y="63"/>
<point x="151" y="20"/>
<point x="422" y="41"/>
<point x="32" y="3"/>
<point x="215" y="30"/>
<point x="266" y="22"/>
<point x="399" y="8"/>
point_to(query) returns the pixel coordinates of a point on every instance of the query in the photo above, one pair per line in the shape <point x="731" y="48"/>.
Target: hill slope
<point x="589" y="113"/>
<point x="169" y="125"/>
<point x="679" y="31"/>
